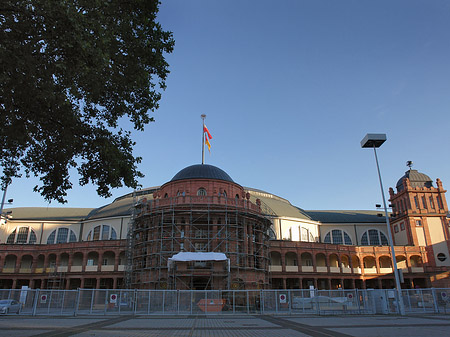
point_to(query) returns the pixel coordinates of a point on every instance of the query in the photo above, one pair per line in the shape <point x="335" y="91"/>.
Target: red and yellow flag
<point x="205" y="130"/>
<point x="207" y="142"/>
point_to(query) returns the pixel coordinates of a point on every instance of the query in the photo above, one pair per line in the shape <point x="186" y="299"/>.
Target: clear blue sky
<point x="289" y="89"/>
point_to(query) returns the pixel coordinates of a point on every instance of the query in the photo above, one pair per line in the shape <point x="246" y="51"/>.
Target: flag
<point x="205" y="130"/>
<point x="207" y="143"/>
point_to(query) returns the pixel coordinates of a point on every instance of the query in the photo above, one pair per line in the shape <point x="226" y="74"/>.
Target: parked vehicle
<point x="7" y="306"/>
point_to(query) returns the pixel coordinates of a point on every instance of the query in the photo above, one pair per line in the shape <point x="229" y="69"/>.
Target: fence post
<point x="435" y="300"/>
<point x="276" y="301"/>
<point x="248" y="300"/>
<point x="261" y="302"/>
<point x="149" y="298"/>
<point x="62" y="302"/>
<point x="135" y="299"/>
<point x="92" y="300"/>
<point x="35" y="302"/>
<point x="290" y="301"/>
<point x="163" y="300"/>
<point x="77" y="302"/>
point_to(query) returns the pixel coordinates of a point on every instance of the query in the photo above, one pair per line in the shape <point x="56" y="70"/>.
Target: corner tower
<point x="419" y="213"/>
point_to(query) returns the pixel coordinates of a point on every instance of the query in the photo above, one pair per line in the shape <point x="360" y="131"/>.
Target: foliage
<point x="71" y="70"/>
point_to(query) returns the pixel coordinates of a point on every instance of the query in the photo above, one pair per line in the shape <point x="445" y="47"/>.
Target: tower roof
<point x="202" y="171"/>
<point x="416" y="179"/>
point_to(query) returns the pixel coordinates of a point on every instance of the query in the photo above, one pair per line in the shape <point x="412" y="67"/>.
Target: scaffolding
<point x="56" y="278"/>
<point x="167" y="226"/>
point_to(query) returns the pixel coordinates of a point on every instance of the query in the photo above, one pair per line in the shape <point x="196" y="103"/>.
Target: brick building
<point x="256" y="240"/>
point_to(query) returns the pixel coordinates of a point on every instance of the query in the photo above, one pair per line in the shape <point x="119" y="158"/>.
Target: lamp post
<point x="374" y="140"/>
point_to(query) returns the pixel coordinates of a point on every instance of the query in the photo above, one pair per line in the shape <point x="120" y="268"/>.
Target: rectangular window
<point x="62" y="235"/>
<point x="431" y="202"/>
<point x="402" y="226"/>
<point x="424" y="202"/>
<point x="105" y="262"/>
<point x="439" y="201"/>
<point x="90" y="262"/>
<point x="416" y="201"/>
<point x="22" y="236"/>
<point x="396" y="228"/>
<point x="418" y="223"/>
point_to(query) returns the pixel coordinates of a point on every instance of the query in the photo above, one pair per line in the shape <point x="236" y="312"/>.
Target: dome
<point x="202" y="171"/>
<point x="416" y="179"/>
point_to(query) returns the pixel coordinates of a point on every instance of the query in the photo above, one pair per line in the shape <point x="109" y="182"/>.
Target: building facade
<point x="202" y="230"/>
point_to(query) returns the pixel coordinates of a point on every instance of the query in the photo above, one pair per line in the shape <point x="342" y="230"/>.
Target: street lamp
<point x="375" y="140"/>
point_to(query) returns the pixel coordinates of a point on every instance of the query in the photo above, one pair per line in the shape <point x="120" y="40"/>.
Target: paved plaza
<point x="283" y="326"/>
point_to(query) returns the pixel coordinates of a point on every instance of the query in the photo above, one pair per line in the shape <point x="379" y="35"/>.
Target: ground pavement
<point x="283" y="326"/>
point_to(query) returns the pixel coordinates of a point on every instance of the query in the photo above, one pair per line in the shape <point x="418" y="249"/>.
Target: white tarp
<point x="190" y="256"/>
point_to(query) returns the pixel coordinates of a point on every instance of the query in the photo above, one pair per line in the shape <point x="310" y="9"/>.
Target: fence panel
<point x="212" y="302"/>
<point x="419" y="300"/>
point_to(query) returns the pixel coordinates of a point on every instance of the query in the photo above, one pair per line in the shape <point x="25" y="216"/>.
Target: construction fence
<point x="194" y="302"/>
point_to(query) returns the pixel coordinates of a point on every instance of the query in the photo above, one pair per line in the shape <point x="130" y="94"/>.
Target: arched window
<point x="102" y="232"/>
<point x="22" y="235"/>
<point x="338" y="237"/>
<point x="201" y="192"/>
<point x="61" y="235"/>
<point x="374" y="237"/>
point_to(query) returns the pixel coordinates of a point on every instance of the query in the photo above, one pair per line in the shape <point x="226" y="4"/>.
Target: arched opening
<point x="26" y="264"/>
<point x="275" y="259"/>
<point x="345" y="262"/>
<point x="306" y="259"/>
<point x="321" y="262"/>
<point x="334" y="261"/>
<point x="291" y="259"/>
<point x="416" y="261"/>
<point x="370" y="265"/>
<point x="401" y="262"/>
<point x="385" y="264"/>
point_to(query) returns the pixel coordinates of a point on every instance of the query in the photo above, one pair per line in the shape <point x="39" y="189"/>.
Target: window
<point x="374" y="237"/>
<point x="396" y="228"/>
<point x="416" y="201"/>
<point x="338" y="237"/>
<point x="431" y="202"/>
<point x="102" y="232"/>
<point x="418" y="223"/>
<point x="23" y="235"/>
<point x="61" y="235"/>
<point x="424" y="202"/>
<point x="439" y="201"/>
<point x="201" y="192"/>
<point x="402" y="226"/>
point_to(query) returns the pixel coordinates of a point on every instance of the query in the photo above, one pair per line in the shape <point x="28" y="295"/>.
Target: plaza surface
<point x="317" y="326"/>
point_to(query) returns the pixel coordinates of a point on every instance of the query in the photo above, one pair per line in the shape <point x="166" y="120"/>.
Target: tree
<point x="71" y="70"/>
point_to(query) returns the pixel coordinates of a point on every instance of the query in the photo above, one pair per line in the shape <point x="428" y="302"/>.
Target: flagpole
<point x="203" y="138"/>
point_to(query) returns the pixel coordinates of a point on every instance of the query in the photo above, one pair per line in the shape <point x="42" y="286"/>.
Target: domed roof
<point x="416" y="179"/>
<point x="202" y="171"/>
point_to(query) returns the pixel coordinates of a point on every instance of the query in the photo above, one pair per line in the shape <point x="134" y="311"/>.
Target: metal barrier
<point x="213" y="302"/>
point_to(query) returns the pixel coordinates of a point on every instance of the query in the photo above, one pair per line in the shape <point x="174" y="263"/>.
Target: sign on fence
<point x="43" y="298"/>
<point x="113" y="298"/>
<point x="282" y="298"/>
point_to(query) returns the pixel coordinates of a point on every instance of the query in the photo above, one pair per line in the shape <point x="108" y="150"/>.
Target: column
<point x="284" y="283"/>
<point x="97" y="286"/>
<point x="329" y="283"/>
<point x="353" y="283"/>
<point x="14" y="284"/>
<point x="380" y="283"/>
<point x="82" y="283"/>
<point x="114" y="282"/>
<point x="315" y="282"/>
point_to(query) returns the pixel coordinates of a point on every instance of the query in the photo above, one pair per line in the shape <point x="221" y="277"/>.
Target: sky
<point x="290" y="88"/>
